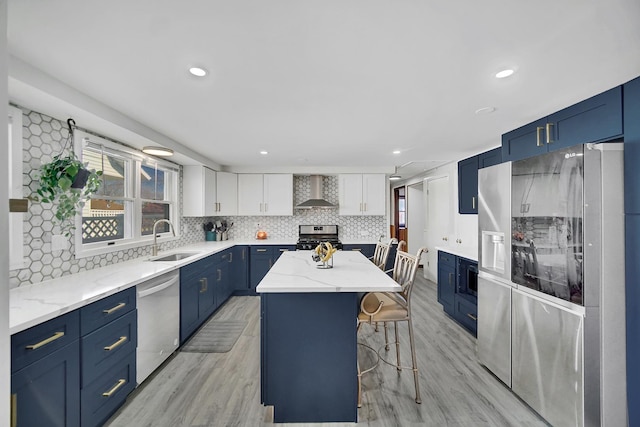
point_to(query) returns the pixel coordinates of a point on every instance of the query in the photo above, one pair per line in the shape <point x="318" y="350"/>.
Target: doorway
<point x="437" y="217"/>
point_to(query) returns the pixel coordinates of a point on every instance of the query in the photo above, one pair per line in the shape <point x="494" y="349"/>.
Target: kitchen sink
<point x="174" y="257"/>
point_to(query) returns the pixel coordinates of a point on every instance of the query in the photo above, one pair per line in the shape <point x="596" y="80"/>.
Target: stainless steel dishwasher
<point x="158" y="322"/>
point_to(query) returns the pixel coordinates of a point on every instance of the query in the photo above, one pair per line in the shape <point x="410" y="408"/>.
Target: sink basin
<point x="174" y="257"/>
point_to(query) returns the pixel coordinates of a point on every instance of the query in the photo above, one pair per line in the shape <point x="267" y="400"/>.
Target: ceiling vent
<point x="316" y="201"/>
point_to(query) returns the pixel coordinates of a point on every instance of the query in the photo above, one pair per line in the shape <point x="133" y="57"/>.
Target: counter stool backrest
<point x="381" y="254"/>
<point x="404" y="270"/>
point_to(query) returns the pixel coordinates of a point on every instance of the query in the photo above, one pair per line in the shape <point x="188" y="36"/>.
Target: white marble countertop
<point x="465" y="252"/>
<point x="351" y="272"/>
<point x="32" y="304"/>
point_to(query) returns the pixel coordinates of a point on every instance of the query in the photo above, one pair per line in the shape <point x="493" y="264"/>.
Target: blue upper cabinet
<point x="632" y="146"/>
<point x="490" y="158"/>
<point x="595" y="119"/>
<point x="468" y="185"/>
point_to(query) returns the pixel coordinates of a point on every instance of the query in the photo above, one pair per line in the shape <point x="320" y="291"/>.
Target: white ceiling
<point x="321" y="84"/>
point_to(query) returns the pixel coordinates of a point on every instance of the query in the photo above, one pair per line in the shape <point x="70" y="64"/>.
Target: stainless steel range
<point x="309" y="236"/>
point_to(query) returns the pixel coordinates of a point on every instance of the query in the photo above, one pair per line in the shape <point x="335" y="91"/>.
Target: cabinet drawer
<point x="102" y="397"/>
<point x="108" y="346"/>
<point x="39" y="341"/>
<point x="98" y="314"/>
<point x="260" y="250"/>
<point x="466" y="312"/>
<point x="198" y="268"/>
<point x="446" y="258"/>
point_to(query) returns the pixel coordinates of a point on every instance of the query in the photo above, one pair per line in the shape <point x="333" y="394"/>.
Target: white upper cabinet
<point x="206" y="192"/>
<point x="227" y="193"/>
<point x="265" y="194"/>
<point x="362" y="194"/>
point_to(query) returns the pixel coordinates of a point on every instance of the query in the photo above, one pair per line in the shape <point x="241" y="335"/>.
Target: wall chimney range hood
<point x="316" y="201"/>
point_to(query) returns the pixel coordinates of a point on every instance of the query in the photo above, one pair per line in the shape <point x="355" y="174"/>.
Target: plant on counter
<point x="67" y="183"/>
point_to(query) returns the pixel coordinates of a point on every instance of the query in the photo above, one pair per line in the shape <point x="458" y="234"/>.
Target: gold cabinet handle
<point x="14" y="410"/>
<point x="357" y="249"/>
<point x="261" y="250"/>
<point x="219" y="275"/>
<point x="474" y="318"/>
<point x="365" y="206"/>
<point x="115" y="388"/>
<point x="473" y="202"/>
<point x="284" y="250"/>
<point x="538" y="139"/>
<point x="116" y="308"/>
<point x="266" y="207"/>
<point x="549" y="138"/>
<point x="203" y="285"/>
<point x="52" y="338"/>
<point x="451" y="278"/>
<point x="118" y="343"/>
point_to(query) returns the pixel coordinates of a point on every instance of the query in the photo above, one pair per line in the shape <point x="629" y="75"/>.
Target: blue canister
<point x="210" y="236"/>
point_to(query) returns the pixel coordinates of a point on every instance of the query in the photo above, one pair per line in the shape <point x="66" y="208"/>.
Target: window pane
<point x="152" y="183"/>
<point x="401" y="205"/>
<point x="152" y="212"/>
<point x="401" y="219"/>
<point x="103" y="220"/>
<point x="113" y="175"/>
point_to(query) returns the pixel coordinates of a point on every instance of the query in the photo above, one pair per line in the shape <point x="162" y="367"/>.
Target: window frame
<point x="17" y="259"/>
<point x="132" y="194"/>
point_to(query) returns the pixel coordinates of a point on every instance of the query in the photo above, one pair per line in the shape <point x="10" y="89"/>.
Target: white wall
<point x="5" y="354"/>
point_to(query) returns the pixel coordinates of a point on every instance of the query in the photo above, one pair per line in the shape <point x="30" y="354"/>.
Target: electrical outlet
<point x="59" y="242"/>
<point x="257" y="225"/>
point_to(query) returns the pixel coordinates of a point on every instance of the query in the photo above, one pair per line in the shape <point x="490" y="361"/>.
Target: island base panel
<point x="309" y="356"/>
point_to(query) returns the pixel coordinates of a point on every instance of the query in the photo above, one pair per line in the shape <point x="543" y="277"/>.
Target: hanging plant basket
<point x="66" y="183"/>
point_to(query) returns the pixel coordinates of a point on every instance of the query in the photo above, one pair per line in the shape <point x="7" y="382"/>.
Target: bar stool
<point x="393" y="307"/>
<point x="381" y="254"/>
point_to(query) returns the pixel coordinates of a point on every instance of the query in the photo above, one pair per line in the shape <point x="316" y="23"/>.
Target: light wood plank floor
<point x="223" y="389"/>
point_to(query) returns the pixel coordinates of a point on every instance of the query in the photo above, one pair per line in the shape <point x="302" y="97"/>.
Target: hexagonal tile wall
<point x="44" y="136"/>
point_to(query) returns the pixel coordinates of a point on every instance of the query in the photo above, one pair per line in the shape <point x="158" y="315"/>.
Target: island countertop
<point x="352" y="272"/>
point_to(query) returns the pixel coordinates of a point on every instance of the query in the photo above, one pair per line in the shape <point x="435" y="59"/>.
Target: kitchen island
<point x="308" y="335"/>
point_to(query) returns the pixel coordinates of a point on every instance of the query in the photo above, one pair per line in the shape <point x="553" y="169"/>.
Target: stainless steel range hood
<point x="316" y="201"/>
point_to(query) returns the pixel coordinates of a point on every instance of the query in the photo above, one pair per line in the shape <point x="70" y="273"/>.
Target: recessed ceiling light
<point x="396" y="151"/>
<point x="158" y="151"/>
<point x="485" y="110"/>
<point x="198" y="72"/>
<point x="264" y="152"/>
<point x="504" y="73"/>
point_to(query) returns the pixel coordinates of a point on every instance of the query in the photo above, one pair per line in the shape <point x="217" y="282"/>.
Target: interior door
<point x="437" y="209"/>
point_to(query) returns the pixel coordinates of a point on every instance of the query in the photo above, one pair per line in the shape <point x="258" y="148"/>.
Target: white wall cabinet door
<point x="250" y="192"/>
<point x="374" y="194"/>
<point x="278" y="194"/>
<point x="362" y="194"/>
<point x="198" y="191"/>
<point x="227" y="193"/>
<point x="265" y="195"/>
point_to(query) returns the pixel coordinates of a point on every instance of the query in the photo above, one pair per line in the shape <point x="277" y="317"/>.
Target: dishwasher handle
<point x="162" y="286"/>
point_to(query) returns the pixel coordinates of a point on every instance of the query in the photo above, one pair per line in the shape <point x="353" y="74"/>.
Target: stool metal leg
<point x="386" y="337"/>
<point x="414" y="362"/>
<point x="398" y="364"/>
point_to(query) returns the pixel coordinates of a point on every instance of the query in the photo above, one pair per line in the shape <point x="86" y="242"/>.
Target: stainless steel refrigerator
<point x="551" y="308"/>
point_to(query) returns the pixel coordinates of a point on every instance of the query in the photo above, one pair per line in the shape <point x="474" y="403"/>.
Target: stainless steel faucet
<point x="154" y="248"/>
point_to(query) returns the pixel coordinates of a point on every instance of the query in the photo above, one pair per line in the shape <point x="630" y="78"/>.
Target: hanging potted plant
<point x="67" y="183"/>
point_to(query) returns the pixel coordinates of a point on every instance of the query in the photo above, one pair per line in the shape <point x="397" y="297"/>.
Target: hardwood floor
<point x="223" y="389"/>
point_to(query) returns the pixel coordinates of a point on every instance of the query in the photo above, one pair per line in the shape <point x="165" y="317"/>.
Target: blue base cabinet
<point x="240" y="269"/>
<point x="261" y="259"/>
<point x="108" y="356"/>
<point x="46" y="391"/>
<point x="454" y="292"/>
<point x="593" y="120"/>
<point x="197" y="297"/>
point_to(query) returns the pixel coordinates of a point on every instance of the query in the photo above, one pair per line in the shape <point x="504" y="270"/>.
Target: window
<point x="16" y="257"/>
<point x="136" y="191"/>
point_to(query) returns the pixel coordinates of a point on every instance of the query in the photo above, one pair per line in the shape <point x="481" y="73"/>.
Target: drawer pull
<point x="284" y="250"/>
<point x="121" y="341"/>
<point x="549" y="133"/>
<point x="261" y="250"/>
<point x="204" y="284"/>
<point x="115" y="388"/>
<point x="538" y="139"/>
<point x="14" y="410"/>
<point x="474" y="318"/>
<point x="357" y="249"/>
<point x="116" y="308"/>
<point x="52" y="338"/>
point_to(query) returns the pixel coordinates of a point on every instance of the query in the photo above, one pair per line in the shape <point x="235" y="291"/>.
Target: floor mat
<point x="217" y="336"/>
